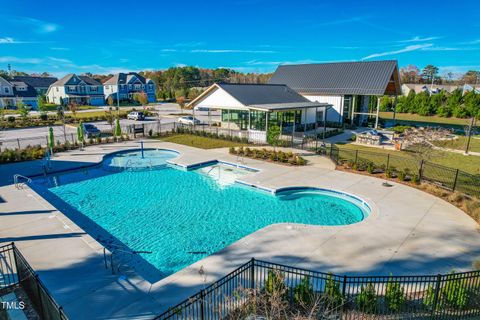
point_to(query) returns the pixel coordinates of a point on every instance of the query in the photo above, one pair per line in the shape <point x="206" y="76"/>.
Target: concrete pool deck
<point x="410" y="232"/>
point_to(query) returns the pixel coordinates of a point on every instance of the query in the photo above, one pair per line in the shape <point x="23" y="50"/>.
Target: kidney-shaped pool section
<point x="183" y="216"/>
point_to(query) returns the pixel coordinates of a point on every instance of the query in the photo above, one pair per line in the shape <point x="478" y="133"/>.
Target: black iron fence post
<point x="455" y="181"/>
<point x="18" y="142"/>
<point x="252" y="273"/>
<point x="435" y="297"/>
<point x="420" y="170"/>
<point x="344" y="291"/>
<point x="388" y="160"/>
<point x="356" y="156"/>
<point x="202" y="301"/>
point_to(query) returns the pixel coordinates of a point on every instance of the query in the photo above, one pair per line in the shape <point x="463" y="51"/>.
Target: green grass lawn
<point x="403" y="159"/>
<point x="201" y="142"/>
<point x="460" y="143"/>
<point x="428" y="119"/>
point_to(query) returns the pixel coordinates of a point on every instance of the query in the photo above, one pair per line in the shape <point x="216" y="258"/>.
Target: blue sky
<point x="106" y="36"/>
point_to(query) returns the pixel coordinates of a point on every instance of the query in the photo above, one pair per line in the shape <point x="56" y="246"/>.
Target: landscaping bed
<point x="200" y="141"/>
<point x="276" y="156"/>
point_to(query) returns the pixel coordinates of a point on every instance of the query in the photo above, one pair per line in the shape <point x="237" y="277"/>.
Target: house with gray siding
<point x="123" y="86"/>
<point x="81" y="90"/>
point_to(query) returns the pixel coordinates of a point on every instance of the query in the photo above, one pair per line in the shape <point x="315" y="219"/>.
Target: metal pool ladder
<point x="17" y="180"/>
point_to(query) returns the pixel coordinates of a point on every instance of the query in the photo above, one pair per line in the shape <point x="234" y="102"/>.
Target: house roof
<point x="29" y="93"/>
<point x="268" y="97"/>
<point x="65" y="80"/>
<point x="340" y="78"/>
<point x="36" y="82"/>
<point x="125" y="78"/>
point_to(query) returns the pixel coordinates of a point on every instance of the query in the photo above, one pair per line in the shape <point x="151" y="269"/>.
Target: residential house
<point x="7" y="98"/>
<point x="14" y="93"/>
<point x="428" y="88"/>
<point x="123" y="86"/>
<point x="252" y="108"/>
<point x="352" y="88"/>
<point x="82" y="90"/>
<point x="40" y="84"/>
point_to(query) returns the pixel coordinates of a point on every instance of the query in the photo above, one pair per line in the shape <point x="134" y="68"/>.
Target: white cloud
<point x="419" y="39"/>
<point x="59" y="49"/>
<point x="61" y="60"/>
<point x="406" y="49"/>
<point x="7" y="40"/>
<point x="10" y="59"/>
<point x="229" y="51"/>
<point x="477" y="41"/>
<point x="39" y="26"/>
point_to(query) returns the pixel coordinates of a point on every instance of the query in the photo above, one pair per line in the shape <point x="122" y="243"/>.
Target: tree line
<point x="443" y="104"/>
<point x="430" y="73"/>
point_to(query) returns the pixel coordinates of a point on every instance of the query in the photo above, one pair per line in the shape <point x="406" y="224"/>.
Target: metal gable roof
<point x="341" y="78"/>
<point x="258" y="94"/>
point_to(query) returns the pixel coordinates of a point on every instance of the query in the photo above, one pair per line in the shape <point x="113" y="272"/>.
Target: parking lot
<point x="20" y="138"/>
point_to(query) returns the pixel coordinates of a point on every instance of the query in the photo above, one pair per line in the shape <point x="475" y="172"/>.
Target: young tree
<point x="73" y="107"/>
<point x="23" y="110"/>
<point x="42" y="104"/>
<point x="141" y="98"/>
<point x="181" y="102"/>
<point x="110" y="101"/>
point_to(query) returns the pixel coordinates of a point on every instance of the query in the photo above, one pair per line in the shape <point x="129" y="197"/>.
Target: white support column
<point x="266" y="121"/>
<point x="378" y="112"/>
<point x="305" y="121"/>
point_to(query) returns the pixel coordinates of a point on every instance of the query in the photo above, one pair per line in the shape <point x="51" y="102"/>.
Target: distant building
<point x="15" y="93"/>
<point x="352" y="88"/>
<point x="7" y="98"/>
<point x="436" y="88"/>
<point x="40" y="84"/>
<point x="82" y="90"/>
<point x="124" y="85"/>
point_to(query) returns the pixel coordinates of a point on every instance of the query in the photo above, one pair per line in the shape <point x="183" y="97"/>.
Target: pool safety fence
<point x="15" y="272"/>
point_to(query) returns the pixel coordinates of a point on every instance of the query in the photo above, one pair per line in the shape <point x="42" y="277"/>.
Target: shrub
<point x="275" y="284"/>
<point x="370" y="167"/>
<point x="98" y="140"/>
<point x="333" y="295"/>
<point x="402" y="176"/>
<point x="43" y="116"/>
<point x="232" y="150"/>
<point x="11" y="119"/>
<point x="416" y="178"/>
<point x="303" y="293"/>
<point x="454" y="294"/>
<point x="366" y="300"/>
<point x="150" y="132"/>
<point x="394" y="295"/>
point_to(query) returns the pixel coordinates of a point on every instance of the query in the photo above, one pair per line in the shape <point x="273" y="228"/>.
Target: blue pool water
<point x="183" y="216"/>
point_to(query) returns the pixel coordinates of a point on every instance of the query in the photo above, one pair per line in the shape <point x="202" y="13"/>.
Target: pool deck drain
<point x="409" y="232"/>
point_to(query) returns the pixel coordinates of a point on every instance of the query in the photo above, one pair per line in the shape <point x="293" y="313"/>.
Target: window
<point x="93" y="88"/>
<point x="72" y="88"/>
<point x="347" y="108"/>
<point x="150" y="86"/>
<point x="107" y="87"/>
<point x="138" y="87"/>
<point x="257" y="120"/>
<point x="57" y="89"/>
<point x="130" y="86"/>
<point x="6" y="89"/>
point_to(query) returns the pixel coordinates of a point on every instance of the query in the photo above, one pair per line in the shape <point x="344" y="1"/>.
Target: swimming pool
<point x="183" y="216"/>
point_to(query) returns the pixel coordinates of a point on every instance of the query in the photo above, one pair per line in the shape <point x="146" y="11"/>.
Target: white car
<point x="190" y="120"/>
<point x="136" y="116"/>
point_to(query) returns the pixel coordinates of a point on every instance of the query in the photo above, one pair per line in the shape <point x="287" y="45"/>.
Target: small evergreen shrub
<point x="394" y="295"/>
<point x="366" y="300"/>
<point x="303" y="294"/>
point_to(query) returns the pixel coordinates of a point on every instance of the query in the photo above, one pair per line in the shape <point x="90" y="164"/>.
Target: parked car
<point x="199" y="108"/>
<point x="90" y="131"/>
<point x="135" y="115"/>
<point x="190" y="120"/>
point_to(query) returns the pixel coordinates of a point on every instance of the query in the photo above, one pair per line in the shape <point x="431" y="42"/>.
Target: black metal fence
<point x="445" y="177"/>
<point x="16" y="272"/>
<point x="258" y="287"/>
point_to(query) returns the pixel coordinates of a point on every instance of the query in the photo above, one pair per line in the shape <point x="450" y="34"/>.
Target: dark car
<point x="90" y="130"/>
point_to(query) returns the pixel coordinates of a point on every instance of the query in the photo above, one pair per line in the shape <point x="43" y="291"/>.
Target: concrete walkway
<point x="408" y="232"/>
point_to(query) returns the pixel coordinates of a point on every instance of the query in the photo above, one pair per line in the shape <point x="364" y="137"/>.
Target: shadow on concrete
<point x="15" y="213"/>
<point x="42" y="237"/>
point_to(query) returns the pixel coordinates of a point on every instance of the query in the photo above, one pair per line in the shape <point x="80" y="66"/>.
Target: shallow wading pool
<point x="183" y="216"/>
